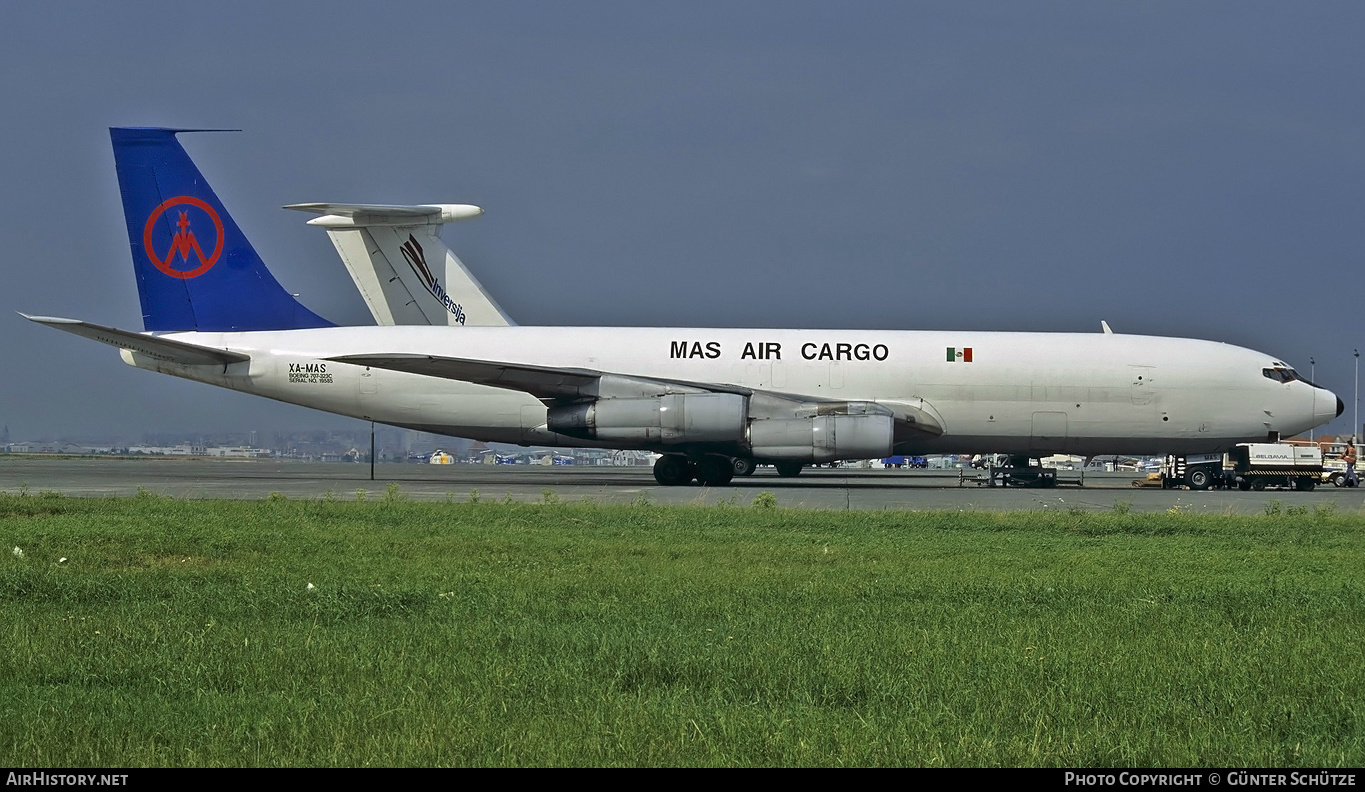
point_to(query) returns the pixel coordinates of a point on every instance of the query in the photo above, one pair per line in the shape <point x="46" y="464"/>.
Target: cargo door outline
<point x="1049" y="431"/>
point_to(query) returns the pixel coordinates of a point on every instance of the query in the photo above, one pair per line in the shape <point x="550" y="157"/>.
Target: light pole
<point x="1312" y="377"/>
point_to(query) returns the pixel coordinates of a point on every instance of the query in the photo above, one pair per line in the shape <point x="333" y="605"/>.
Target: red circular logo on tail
<point x="183" y="241"/>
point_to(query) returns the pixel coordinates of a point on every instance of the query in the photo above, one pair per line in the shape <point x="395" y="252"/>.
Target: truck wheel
<point x="1244" y="485"/>
<point x="1258" y="485"/>
<point x="1307" y="484"/>
<point x="744" y="466"/>
<point x="1338" y="479"/>
<point x="788" y="469"/>
<point x="1199" y="479"/>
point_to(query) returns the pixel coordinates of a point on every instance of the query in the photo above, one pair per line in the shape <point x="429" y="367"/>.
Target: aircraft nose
<point x="1323" y="403"/>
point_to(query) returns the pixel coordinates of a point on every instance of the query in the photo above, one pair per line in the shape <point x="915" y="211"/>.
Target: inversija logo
<point x="956" y="355"/>
<point x="183" y="241"/>
<point x="417" y="259"/>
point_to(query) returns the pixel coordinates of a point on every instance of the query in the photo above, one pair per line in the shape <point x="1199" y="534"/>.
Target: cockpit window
<point x="1284" y="374"/>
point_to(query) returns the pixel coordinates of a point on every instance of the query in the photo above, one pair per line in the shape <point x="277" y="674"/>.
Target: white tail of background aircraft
<point x="403" y="270"/>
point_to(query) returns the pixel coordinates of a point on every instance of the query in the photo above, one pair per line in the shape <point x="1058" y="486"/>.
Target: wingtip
<point x="48" y="319"/>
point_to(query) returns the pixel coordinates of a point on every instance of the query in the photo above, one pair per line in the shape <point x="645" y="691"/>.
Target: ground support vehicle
<point x="1197" y="471"/>
<point x="1025" y="472"/>
<point x="1258" y="465"/>
<point x="1248" y="466"/>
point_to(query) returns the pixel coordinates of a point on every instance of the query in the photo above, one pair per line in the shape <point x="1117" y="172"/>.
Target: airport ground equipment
<point x="1022" y="471"/>
<point x="1334" y="468"/>
<point x="1247" y="466"/>
<point x="1258" y="465"/>
<point x="1197" y="471"/>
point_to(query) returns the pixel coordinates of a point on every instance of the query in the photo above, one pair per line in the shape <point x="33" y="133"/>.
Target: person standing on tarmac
<point x="1349" y="457"/>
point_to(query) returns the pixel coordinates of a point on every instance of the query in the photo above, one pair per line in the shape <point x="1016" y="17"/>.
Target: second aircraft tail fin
<point x="403" y="270"/>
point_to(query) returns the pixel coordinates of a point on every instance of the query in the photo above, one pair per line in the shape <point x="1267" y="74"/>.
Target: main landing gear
<point x="712" y="470"/>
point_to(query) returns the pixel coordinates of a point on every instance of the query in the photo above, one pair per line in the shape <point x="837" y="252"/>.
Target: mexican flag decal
<point x="956" y="355"/>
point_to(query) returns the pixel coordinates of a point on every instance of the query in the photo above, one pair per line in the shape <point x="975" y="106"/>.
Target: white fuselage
<point x="1021" y="393"/>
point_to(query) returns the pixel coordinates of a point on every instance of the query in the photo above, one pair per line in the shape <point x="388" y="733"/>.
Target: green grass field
<point x="389" y="632"/>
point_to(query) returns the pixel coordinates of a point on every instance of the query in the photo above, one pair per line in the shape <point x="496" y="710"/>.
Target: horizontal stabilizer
<point x="163" y="349"/>
<point x="336" y="215"/>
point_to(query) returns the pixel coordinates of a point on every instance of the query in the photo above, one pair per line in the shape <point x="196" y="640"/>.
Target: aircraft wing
<point x="553" y="384"/>
<point x="543" y="382"/>
<point x="164" y="349"/>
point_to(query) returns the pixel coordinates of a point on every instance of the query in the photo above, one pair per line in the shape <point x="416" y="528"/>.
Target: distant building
<point x="187" y="449"/>
<point x="237" y="452"/>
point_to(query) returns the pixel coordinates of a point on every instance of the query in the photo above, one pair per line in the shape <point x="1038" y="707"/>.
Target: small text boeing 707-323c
<point x="713" y="401"/>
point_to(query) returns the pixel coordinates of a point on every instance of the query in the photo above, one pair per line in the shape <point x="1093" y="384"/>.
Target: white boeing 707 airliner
<point x="713" y="402"/>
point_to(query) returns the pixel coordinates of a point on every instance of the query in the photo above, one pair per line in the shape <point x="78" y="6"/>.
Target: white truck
<point x="1247" y="466"/>
<point x="1258" y="465"/>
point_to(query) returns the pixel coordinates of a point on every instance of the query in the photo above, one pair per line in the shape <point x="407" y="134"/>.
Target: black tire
<point x="714" y="471"/>
<point x="1258" y="485"/>
<point x="743" y="466"/>
<point x="1244" y="485"/>
<point x="788" y="469"/>
<point x="1199" y="479"/>
<point x="672" y="470"/>
<point x="1338" y="479"/>
<point x="1307" y="485"/>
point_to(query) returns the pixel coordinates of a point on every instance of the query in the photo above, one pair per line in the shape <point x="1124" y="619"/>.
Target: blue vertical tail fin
<point x="195" y="268"/>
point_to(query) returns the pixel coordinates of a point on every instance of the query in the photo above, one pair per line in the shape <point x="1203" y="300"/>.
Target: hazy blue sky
<point x="1174" y="168"/>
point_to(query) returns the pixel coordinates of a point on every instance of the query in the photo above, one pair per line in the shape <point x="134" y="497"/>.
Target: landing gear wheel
<point x="714" y="471"/>
<point x="672" y="470"/>
<point x="743" y="466"/>
<point x="1199" y="479"/>
<point x="788" y="469"/>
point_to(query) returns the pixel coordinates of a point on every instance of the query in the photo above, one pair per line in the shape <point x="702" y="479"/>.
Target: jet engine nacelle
<point x="675" y="418"/>
<point x="823" y="438"/>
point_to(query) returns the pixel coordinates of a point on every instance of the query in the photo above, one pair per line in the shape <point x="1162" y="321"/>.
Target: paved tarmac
<point x="814" y="489"/>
